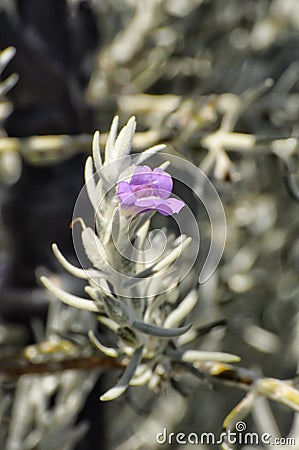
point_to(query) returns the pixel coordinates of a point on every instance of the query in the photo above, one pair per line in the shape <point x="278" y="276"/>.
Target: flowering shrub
<point x="227" y="104"/>
<point x="131" y="293"/>
<point x="135" y="294"/>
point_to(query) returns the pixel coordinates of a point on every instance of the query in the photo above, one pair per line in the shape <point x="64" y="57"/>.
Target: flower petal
<point x="148" y="202"/>
<point x="125" y="194"/>
<point x="156" y="182"/>
<point x="162" y="181"/>
<point x="149" y="190"/>
<point x="164" y="209"/>
<point x="141" y="176"/>
<point x="175" y="205"/>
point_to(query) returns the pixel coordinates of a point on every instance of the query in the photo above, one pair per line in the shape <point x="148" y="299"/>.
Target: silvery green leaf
<point x="127" y="172"/>
<point x="96" y="151"/>
<point x="115" y="229"/>
<point x="279" y="391"/>
<point x="5" y="109"/>
<point x="100" y="287"/>
<point x="106" y="235"/>
<point x="117" y="310"/>
<point x="5" y="56"/>
<point x="111" y="174"/>
<point x="123" y="143"/>
<point x="69" y="299"/>
<point x="76" y="271"/>
<point x="93" y="293"/>
<point x="106" y="286"/>
<point x="148" y="153"/>
<point x="106" y="206"/>
<point x="155" y="303"/>
<point x="94" y="249"/>
<point x="193" y="356"/>
<point x="141" y="226"/>
<point x="163" y="263"/>
<point x="99" y="186"/>
<point x="174" y="254"/>
<point x="154" y="330"/>
<point x="109" y="323"/>
<point x="141" y="377"/>
<point x="188" y="337"/>
<point x="152" y="285"/>
<point x="109" y="148"/>
<point x="164" y="165"/>
<point x="126" y="377"/>
<point x="8" y="83"/>
<point x="184" y="308"/>
<point x="90" y="183"/>
<point x="108" y="351"/>
<point x="124" y="234"/>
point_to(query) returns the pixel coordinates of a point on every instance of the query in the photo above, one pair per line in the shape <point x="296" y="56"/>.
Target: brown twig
<point x="12" y="369"/>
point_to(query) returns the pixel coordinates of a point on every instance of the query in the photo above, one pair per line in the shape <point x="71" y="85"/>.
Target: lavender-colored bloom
<point x="148" y="190"/>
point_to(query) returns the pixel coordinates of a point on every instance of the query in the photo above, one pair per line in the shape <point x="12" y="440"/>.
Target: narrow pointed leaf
<point x="108" y="351"/>
<point x="142" y="378"/>
<point x="76" y="271"/>
<point x="90" y="183"/>
<point x="96" y="151"/>
<point x="109" y="149"/>
<point x="5" y="56"/>
<point x="117" y="311"/>
<point x="184" y="308"/>
<point x="123" y="143"/>
<point x="69" y="299"/>
<point x="109" y="323"/>
<point x="8" y="83"/>
<point x="92" y="292"/>
<point x="115" y="229"/>
<point x="154" y="330"/>
<point x="280" y="391"/>
<point x="148" y="153"/>
<point x="162" y="264"/>
<point x="126" y="377"/>
<point x="193" y="356"/>
<point x="93" y="248"/>
<point x="173" y="255"/>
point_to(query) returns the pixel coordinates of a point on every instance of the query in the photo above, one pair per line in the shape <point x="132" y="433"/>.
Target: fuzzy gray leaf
<point x="126" y="377"/>
<point x="154" y="330"/>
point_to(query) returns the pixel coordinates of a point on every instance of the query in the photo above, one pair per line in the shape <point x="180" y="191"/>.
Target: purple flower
<point x="148" y="190"/>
